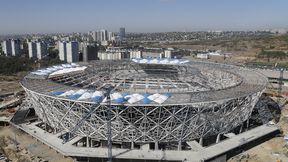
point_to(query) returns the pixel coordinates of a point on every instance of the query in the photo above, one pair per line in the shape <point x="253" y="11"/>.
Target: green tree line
<point x="11" y="65"/>
<point x="273" y="54"/>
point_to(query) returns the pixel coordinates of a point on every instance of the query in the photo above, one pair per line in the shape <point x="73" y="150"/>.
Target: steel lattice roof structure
<point x="150" y="102"/>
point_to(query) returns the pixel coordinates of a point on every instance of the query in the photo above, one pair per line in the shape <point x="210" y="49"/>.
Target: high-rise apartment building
<point x="41" y="50"/>
<point x="72" y="52"/>
<point x="62" y="51"/>
<point x="32" y="50"/>
<point x="37" y="50"/>
<point x="94" y="36"/>
<point x="122" y="34"/>
<point x="15" y="46"/>
<point x="111" y="36"/>
<point x="6" y="47"/>
<point x="104" y="35"/>
<point x="11" y="47"/>
<point x="90" y="52"/>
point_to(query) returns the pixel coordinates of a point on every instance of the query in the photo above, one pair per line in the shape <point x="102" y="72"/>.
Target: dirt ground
<point x="273" y="150"/>
<point x="26" y="148"/>
<point x="10" y="84"/>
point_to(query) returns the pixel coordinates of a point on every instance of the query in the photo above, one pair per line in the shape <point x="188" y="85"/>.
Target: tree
<point x="11" y="65"/>
<point x="1" y="52"/>
<point x="53" y="53"/>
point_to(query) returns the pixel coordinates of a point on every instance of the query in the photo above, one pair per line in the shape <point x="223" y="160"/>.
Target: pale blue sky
<point x="31" y="16"/>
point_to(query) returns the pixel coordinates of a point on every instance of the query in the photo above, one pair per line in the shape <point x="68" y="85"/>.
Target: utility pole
<point x="280" y="83"/>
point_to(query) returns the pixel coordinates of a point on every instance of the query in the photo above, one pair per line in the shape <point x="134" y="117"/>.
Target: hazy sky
<point x="32" y="16"/>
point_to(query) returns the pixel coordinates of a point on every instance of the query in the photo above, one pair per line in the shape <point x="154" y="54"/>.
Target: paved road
<point x="273" y="73"/>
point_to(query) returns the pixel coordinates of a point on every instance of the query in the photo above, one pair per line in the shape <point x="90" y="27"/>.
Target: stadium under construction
<point x="144" y="109"/>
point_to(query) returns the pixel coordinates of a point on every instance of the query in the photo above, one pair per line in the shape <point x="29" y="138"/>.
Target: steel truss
<point x="144" y="124"/>
<point x="207" y="99"/>
<point x="175" y="78"/>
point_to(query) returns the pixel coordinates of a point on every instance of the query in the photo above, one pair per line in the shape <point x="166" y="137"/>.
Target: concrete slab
<point x="68" y="149"/>
<point x="273" y="73"/>
<point x="8" y="103"/>
<point x="229" y="135"/>
<point x="233" y="142"/>
<point x="5" y="119"/>
<point x="195" y="145"/>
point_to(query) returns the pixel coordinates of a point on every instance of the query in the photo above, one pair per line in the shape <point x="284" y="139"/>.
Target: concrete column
<point x="87" y="141"/>
<point x="247" y="124"/>
<point x="132" y="145"/>
<point x="241" y="128"/>
<point x="201" y="141"/>
<point x="46" y="127"/>
<point x="179" y="145"/>
<point x="69" y="136"/>
<point x="218" y="138"/>
<point x="156" y="145"/>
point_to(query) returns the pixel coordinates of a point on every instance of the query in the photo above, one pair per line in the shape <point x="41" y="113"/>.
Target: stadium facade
<point x="164" y="102"/>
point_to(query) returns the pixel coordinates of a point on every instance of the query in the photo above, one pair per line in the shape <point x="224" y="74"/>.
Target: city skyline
<point x="22" y="17"/>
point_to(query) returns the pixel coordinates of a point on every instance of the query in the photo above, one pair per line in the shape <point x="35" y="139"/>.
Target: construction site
<point x="143" y="110"/>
